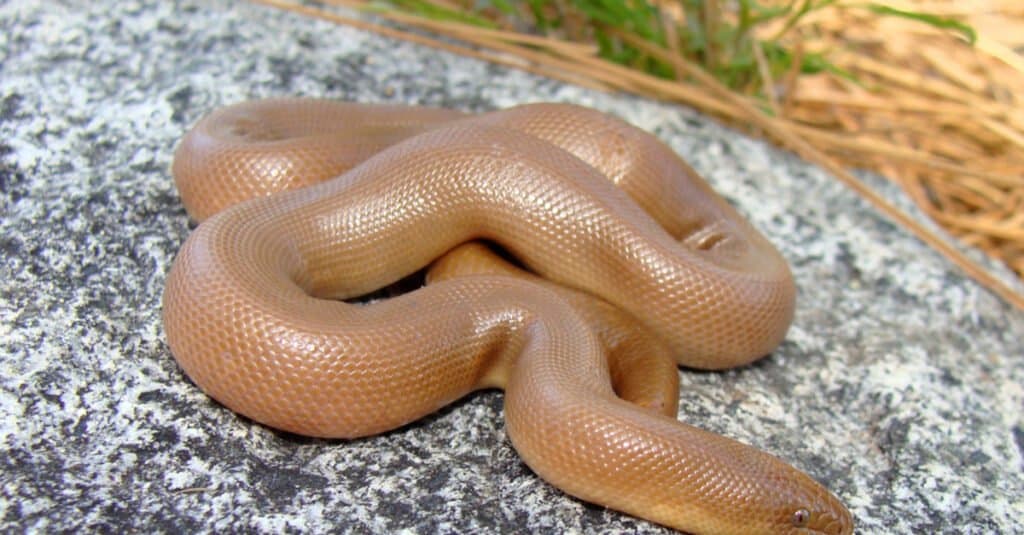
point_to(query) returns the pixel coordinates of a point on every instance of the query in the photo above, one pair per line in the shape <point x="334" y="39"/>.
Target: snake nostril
<point x="836" y="524"/>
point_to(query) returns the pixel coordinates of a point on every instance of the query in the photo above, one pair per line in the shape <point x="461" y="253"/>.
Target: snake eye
<point x="801" y="517"/>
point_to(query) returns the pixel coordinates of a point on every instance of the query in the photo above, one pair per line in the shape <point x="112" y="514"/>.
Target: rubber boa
<point x="626" y="264"/>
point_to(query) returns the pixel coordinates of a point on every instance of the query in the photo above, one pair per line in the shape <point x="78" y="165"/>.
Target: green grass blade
<point x="931" y="20"/>
<point x="439" y="13"/>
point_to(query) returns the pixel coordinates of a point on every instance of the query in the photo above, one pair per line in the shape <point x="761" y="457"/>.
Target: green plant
<point x="724" y="37"/>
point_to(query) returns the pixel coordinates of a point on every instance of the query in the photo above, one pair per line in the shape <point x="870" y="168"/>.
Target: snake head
<point x="811" y="509"/>
<point x="772" y="498"/>
<point x="831" y="520"/>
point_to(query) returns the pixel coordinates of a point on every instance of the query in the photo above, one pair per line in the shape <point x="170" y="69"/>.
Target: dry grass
<point x="940" y="117"/>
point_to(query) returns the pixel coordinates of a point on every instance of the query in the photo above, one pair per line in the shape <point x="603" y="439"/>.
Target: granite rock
<point x="899" y="385"/>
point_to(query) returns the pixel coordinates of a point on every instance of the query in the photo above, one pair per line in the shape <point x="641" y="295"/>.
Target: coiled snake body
<point x="635" y="266"/>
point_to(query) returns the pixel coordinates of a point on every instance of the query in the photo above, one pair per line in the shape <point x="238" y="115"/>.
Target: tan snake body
<point x="660" y="268"/>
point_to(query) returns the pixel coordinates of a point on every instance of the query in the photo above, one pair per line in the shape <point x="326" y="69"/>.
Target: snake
<point x="567" y="257"/>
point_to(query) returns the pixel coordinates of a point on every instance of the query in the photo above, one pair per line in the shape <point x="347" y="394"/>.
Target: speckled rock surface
<point x="899" y="386"/>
